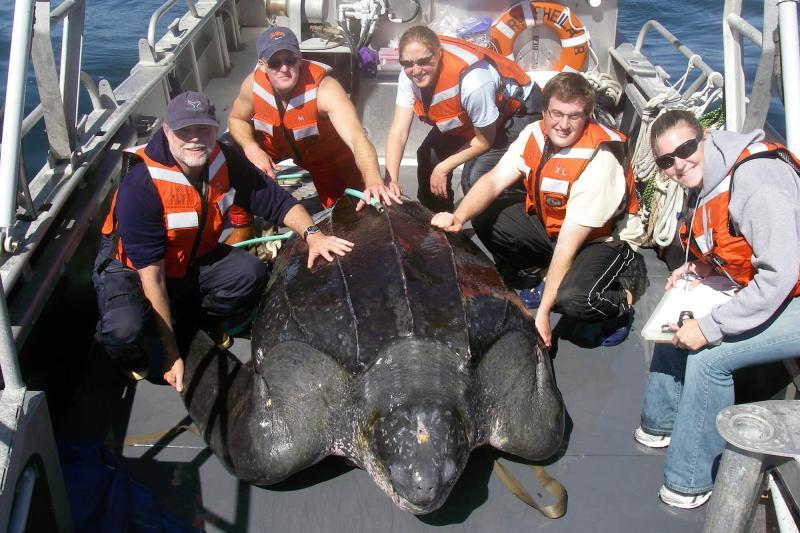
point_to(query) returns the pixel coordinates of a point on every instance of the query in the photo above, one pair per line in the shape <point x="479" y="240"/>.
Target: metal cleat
<point x="759" y="436"/>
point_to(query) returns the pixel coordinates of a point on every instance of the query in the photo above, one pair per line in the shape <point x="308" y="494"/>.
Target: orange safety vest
<point x="444" y="109"/>
<point x="549" y="182"/>
<point x="316" y="143"/>
<point x="183" y="210"/>
<point x="714" y="240"/>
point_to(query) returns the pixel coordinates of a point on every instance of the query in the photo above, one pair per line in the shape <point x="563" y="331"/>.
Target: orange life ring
<point x="574" y="37"/>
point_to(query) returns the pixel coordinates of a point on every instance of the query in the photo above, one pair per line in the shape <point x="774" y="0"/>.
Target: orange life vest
<point x="183" y="210"/>
<point x="444" y="110"/>
<point x="316" y="143"/>
<point x="549" y="182"/>
<point x="714" y="240"/>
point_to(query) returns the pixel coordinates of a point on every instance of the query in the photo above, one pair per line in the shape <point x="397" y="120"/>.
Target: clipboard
<point x="709" y="293"/>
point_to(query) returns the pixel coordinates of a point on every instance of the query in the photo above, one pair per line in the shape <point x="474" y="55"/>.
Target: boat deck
<point x="612" y="481"/>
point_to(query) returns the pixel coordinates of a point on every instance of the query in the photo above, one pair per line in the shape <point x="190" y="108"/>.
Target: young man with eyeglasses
<point x="477" y="102"/>
<point x="289" y="107"/>
<point x="577" y="222"/>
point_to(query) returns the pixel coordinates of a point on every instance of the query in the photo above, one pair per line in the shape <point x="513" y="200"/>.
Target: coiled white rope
<point x="667" y="200"/>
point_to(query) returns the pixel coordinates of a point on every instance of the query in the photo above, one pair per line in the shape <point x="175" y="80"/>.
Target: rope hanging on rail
<point x="663" y="198"/>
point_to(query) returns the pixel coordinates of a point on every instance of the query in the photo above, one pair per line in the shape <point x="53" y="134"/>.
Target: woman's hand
<point x="693" y="269"/>
<point x="689" y="336"/>
<point x="385" y="194"/>
<point x="439" y="181"/>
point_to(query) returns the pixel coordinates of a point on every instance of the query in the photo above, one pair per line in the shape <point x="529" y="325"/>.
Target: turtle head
<point x="422" y="451"/>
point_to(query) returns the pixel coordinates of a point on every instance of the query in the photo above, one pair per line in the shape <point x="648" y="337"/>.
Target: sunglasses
<point x="421" y="62"/>
<point x="289" y="61"/>
<point x="683" y="151"/>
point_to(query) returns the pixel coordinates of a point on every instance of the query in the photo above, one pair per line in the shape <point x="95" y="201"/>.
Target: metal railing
<point x="151" y="28"/>
<point x="790" y="67"/>
<point x="76" y="142"/>
<point x="744" y="116"/>
<point x="706" y="72"/>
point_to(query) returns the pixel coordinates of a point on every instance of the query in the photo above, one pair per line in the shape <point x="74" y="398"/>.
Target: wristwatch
<point x="310" y="231"/>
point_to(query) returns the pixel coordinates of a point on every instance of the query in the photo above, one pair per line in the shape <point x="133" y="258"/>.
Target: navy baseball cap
<point x="276" y="39"/>
<point x="190" y="109"/>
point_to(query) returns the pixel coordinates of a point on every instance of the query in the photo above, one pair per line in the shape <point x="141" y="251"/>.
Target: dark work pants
<point x="591" y="290"/>
<point x="438" y="146"/>
<point x="222" y="287"/>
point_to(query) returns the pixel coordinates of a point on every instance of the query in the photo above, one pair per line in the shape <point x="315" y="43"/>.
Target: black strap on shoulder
<point x="620" y="151"/>
<point x="547" y="153"/>
<point x="289" y="138"/>
<point x="203" y="192"/>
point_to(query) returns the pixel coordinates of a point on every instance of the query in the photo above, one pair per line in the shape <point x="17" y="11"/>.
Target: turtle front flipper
<point x="263" y="426"/>
<point x="521" y="405"/>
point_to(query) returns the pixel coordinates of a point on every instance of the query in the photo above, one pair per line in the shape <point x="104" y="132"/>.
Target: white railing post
<point x="71" y="52"/>
<point x="734" y="71"/>
<point x="12" y="120"/>
<point x="790" y="69"/>
<point x="9" y="363"/>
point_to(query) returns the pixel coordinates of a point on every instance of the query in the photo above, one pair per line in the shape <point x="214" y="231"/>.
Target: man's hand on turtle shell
<point x="326" y="246"/>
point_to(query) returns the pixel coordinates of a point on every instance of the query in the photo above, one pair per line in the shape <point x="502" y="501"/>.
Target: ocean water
<point x="113" y="28"/>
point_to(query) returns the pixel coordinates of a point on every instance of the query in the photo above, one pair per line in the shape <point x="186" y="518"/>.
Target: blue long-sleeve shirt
<point x="140" y="214"/>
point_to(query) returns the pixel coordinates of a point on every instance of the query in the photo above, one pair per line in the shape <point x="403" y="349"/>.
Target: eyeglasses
<point x="421" y="62"/>
<point x="571" y="117"/>
<point x="683" y="151"/>
<point x="289" y="61"/>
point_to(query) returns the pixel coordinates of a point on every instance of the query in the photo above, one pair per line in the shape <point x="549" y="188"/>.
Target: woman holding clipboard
<point x="744" y="223"/>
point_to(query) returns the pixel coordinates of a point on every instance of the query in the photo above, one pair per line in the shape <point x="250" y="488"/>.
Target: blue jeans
<point x="686" y="391"/>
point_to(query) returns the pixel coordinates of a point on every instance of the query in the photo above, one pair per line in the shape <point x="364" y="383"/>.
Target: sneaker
<point x="682" y="501"/>
<point x="532" y="298"/>
<point x="617" y="329"/>
<point x="648" y="439"/>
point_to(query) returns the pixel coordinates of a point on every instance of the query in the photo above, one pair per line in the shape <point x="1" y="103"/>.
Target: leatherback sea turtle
<point x="402" y="356"/>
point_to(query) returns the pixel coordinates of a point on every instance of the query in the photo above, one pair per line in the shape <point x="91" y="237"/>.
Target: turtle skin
<point x="403" y="356"/>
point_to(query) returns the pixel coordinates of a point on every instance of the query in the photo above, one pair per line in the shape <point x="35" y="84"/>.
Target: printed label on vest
<point x="703" y="243"/>
<point x="182" y="220"/>
<point x="555" y="185"/>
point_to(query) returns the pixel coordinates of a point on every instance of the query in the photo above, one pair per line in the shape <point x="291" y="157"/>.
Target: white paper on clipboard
<point x="712" y="291"/>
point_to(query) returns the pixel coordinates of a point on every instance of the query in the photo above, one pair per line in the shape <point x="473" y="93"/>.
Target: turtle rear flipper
<point x="523" y="409"/>
<point x="264" y="427"/>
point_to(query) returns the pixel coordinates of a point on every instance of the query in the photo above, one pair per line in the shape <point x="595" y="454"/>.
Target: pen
<point x="719" y="263"/>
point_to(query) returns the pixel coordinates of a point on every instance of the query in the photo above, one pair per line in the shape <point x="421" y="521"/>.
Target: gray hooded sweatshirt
<point x="765" y="207"/>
